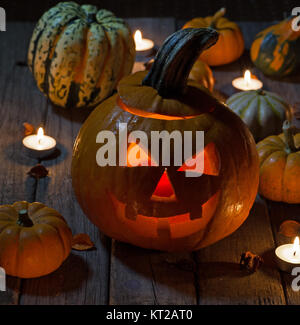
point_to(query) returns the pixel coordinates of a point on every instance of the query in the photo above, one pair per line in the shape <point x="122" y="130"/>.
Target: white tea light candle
<point x="247" y="82"/>
<point x="143" y="46"/>
<point x="288" y="256"/>
<point x="39" y="145"/>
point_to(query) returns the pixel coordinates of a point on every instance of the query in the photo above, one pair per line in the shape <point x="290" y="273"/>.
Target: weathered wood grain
<point x="288" y="88"/>
<point x="141" y="276"/>
<point x="118" y="273"/>
<point x="83" y="279"/>
<point x="221" y="281"/>
<point x="280" y="212"/>
<point x="19" y="102"/>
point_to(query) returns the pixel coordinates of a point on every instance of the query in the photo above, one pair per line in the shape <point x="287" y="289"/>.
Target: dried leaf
<point x="290" y="228"/>
<point x="38" y="171"/>
<point x="82" y="242"/>
<point x="250" y="262"/>
<point x="29" y="128"/>
<point x="182" y="264"/>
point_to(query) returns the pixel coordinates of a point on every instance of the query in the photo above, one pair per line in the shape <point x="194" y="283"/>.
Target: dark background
<point x="246" y="10"/>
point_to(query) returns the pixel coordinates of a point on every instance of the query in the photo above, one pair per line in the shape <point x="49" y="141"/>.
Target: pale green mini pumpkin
<point x="78" y="54"/>
<point x="263" y="111"/>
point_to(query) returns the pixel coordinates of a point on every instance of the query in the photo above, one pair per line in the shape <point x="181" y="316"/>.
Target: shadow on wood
<point x="222" y="269"/>
<point x="269" y="263"/>
<point x="78" y="115"/>
<point x="11" y="295"/>
<point x="73" y="273"/>
<point x="16" y="153"/>
<point x="141" y="276"/>
<point x="60" y="154"/>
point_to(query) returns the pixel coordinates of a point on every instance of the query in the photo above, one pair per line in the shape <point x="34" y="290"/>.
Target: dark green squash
<point x="78" y="54"/>
<point x="276" y="50"/>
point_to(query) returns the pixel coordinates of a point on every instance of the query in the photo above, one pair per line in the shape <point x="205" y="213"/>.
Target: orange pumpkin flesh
<point x="230" y="45"/>
<point x="34" y="239"/>
<point x="280" y="167"/>
<point x="155" y="206"/>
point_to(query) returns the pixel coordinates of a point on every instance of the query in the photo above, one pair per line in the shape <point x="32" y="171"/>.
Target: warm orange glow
<point x="164" y="189"/>
<point x="142" y="113"/>
<point x="211" y="161"/>
<point x="137" y="156"/>
<point x="296" y="246"/>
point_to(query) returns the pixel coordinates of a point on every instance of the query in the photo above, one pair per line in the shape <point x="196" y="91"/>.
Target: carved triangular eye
<point x="164" y="191"/>
<point x="211" y="161"/>
<point x="138" y="156"/>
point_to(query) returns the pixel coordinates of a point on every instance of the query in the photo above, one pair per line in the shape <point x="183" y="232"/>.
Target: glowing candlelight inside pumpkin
<point x="39" y="145"/>
<point x="248" y="82"/>
<point x="142" y="44"/>
<point x="288" y="256"/>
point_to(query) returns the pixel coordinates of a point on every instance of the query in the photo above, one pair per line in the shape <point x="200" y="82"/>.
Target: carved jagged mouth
<point x="164" y="220"/>
<point x="162" y="210"/>
<point x="157" y="211"/>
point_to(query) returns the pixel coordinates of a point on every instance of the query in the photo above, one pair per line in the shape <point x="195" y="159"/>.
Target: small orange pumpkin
<point x="230" y="45"/>
<point x="34" y="239"/>
<point x="279" y="158"/>
<point x="202" y="74"/>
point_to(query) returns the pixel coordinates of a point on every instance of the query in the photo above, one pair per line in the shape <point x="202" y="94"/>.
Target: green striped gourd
<point x="263" y="111"/>
<point x="78" y="54"/>
<point x="276" y="49"/>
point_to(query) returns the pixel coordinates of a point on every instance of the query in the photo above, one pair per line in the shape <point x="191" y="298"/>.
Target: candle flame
<point x="138" y="36"/>
<point x="247" y="76"/>
<point x="40" y="135"/>
<point x="296" y="246"/>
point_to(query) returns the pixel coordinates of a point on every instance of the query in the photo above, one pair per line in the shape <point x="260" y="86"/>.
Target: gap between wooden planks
<point x="124" y="274"/>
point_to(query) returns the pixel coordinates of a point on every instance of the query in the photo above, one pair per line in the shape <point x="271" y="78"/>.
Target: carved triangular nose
<point x="164" y="190"/>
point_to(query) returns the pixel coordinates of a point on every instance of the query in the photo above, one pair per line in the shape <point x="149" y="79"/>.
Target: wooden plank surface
<point x="280" y="212"/>
<point x="117" y="273"/>
<point x="141" y="276"/>
<point x="221" y="281"/>
<point x="19" y="99"/>
<point x="83" y="279"/>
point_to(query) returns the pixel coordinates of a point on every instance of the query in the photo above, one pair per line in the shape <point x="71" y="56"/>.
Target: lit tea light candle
<point x="143" y="46"/>
<point x="39" y="145"/>
<point x="288" y="256"/>
<point x="247" y="82"/>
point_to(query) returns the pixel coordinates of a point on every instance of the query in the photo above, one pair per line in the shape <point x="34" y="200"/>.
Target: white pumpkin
<point x="263" y="111"/>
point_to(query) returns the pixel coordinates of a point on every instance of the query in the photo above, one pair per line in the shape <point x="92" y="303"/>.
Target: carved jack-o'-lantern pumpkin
<point x="145" y="202"/>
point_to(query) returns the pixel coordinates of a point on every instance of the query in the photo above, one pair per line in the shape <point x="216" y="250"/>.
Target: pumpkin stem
<point x="261" y="92"/>
<point x="24" y="219"/>
<point x="219" y="14"/>
<point x="175" y="59"/>
<point x="289" y="137"/>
